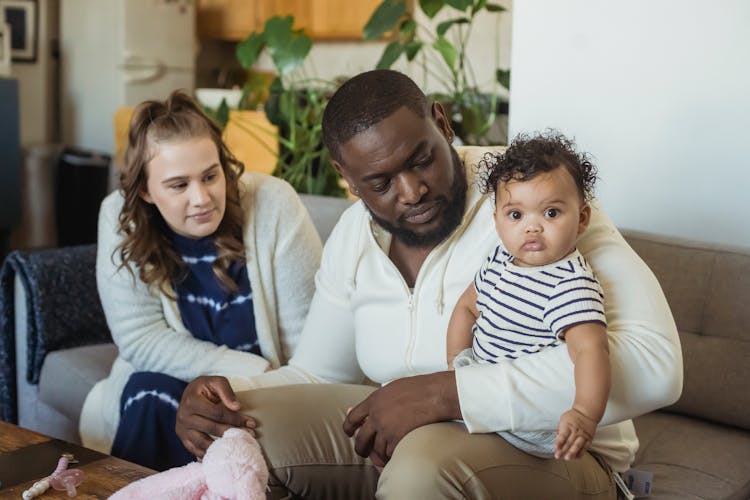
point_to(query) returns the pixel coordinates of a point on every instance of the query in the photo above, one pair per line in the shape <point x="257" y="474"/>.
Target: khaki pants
<point x="299" y="429"/>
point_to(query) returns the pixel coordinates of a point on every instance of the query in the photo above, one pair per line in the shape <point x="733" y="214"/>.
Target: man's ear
<point x="584" y="218"/>
<point x="342" y="173"/>
<point x="442" y="121"/>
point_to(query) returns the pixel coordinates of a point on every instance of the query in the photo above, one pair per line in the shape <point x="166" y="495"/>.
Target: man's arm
<point x="646" y="362"/>
<point x="325" y="353"/>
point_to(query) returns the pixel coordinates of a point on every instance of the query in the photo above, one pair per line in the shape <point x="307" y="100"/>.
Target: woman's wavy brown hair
<point x="146" y="245"/>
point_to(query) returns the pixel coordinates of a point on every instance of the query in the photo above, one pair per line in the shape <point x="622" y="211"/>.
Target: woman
<point x="199" y="272"/>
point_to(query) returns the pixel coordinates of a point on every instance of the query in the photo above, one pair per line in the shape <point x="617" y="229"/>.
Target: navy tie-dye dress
<point x="148" y="406"/>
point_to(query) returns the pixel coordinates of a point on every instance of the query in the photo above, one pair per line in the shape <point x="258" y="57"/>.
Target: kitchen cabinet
<point x="226" y="19"/>
<point x="321" y="19"/>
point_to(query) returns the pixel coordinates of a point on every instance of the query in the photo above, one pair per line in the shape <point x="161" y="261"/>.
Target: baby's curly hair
<point x="529" y="155"/>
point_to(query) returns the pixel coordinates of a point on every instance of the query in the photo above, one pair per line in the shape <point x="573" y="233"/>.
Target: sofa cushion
<point x="708" y="289"/>
<point x="325" y="211"/>
<point x="712" y="463"/>
<point x="69" y="374"/>
<point x="716" y="373"/>
<point x="727" y="314"/>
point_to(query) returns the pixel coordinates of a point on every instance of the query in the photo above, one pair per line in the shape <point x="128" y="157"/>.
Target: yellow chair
<point x="253" y="140"/>
<point x="121" y="125"/>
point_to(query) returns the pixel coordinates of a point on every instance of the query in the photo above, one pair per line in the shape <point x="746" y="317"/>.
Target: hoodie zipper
<point x="411" y="303"/>
<point x="472" y="208"/>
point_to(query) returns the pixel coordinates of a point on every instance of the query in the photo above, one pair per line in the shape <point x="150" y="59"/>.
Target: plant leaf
<point x="278" y="31"/>
<point x="431" y="7"/>
<point x="272" y="106"/>
<point x="493" y="7"/>
<point x="503" y="77"/>
<point x="443" y="27"/>
<point x="391" y="53"/>
<point x="407" y="30"/>
<point x="479" y="6"/>
<point x="384" y="18"/>
<point x="461" y="5"/>
<point x="290" y="57"/>
<point x="412" y="49"/>
<point x="448" y="51"/>
<point x="475" y="122"/>
<point x="249" y="49"/>
<point x="222" y="113"/>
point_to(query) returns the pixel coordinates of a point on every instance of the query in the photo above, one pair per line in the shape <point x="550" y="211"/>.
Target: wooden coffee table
<point x="27" y="456"/>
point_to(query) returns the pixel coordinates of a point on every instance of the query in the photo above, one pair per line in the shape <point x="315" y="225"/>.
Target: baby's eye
<point x="551" y="213"/>
<point x="514" y="215"/>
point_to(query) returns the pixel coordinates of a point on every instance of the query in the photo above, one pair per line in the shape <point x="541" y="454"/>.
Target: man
<point x="391" y="272"/>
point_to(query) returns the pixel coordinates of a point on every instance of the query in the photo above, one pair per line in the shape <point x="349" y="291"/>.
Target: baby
<point x="535" y="290"/>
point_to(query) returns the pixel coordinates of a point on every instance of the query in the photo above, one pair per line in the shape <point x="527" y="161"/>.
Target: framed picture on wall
<point x="22" y="16"/>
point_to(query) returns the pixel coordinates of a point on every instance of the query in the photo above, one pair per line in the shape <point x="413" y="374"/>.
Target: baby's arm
<point x="589" y="350"/>
<point x="462" y="320"/>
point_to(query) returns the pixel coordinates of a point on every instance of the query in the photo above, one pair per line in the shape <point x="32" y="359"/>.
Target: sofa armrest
<point x="62" y="310"/>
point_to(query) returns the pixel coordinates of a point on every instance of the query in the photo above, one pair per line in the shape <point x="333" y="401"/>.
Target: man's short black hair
<point x="365" y="100"/>
<point x="529" y="155"/>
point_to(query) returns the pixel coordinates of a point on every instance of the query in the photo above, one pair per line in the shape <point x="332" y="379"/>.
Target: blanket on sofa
<point x="56" y="282"/>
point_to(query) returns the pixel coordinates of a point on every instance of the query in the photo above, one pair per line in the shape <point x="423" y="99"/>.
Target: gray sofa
<point x="697" y="448"/>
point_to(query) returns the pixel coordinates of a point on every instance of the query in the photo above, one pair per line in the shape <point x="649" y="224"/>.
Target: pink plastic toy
<point x="233" y="468"/>
<point x="39" y="487"/>
<point x="67" y="480"/>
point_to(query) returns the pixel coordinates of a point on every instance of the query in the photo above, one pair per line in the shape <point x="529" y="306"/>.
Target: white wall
<point x="37" y="82"/>
<point x="658" y="91"/>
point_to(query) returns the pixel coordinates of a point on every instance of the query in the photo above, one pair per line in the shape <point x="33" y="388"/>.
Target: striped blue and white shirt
<point x="523" y="310"/>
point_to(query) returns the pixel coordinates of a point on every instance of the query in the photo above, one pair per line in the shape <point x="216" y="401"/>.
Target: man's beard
<point x="453" y="212"/>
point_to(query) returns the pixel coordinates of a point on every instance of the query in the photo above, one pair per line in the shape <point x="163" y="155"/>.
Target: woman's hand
<point x="208" y="408"/>
<point x="379" y="422"/>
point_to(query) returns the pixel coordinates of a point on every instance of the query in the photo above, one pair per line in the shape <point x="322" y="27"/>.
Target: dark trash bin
<point x="82" y="184"/>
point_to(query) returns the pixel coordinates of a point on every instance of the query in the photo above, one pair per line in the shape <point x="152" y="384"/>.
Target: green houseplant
<point x="442" y="51"/>
<point x="295" y="105"/>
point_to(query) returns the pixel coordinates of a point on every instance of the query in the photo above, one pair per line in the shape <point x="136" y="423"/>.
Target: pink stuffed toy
<point x="233" y="468"/>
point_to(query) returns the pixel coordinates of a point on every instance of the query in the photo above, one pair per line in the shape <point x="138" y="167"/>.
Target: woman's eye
<point x="551" y="213"/>
<point x="209" y="177"/>
<point x="514" y="215"/>
<point x="178" y="187"/>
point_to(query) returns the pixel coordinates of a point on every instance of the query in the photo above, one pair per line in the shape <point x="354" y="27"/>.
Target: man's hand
<point x="379" y="422"/>
<point x="208" y="408"/>
<point x="574" y="434"/>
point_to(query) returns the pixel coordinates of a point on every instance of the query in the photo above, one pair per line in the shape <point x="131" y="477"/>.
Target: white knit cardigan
<point x="283" y="252"/>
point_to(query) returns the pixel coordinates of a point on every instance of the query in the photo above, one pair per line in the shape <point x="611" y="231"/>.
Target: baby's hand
<point x="574" y="434"/>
